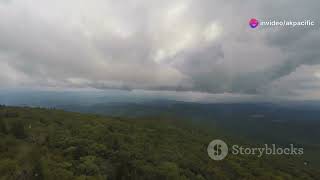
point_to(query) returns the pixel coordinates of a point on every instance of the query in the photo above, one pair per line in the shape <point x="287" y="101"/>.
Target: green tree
<point x="88" y="166"/>
<point x="169" y="170"/>
<point x="18" y="130"/>
<point x="3" y="126"/>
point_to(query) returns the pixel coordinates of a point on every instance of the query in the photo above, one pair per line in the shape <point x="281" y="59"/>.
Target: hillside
<point x="54" y="144"/>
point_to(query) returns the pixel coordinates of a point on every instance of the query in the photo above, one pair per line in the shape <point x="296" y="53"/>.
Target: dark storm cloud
<point x="181" y="45"/>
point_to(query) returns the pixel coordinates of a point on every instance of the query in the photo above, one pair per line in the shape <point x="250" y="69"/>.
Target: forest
<point x="38" y="143"/>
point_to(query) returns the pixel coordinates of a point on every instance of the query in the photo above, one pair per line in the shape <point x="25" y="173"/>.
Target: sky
<point x="193" y="48"/>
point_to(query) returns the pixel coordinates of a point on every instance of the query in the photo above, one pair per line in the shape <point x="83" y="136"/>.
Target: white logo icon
<point x="217" y="150"/>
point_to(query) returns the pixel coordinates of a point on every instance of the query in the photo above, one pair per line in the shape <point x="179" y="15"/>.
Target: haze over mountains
<point x="87" y="98"/>
<point x="123" y="103"/>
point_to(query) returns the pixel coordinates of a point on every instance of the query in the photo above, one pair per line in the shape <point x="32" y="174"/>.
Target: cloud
<point x="182" y="45"/>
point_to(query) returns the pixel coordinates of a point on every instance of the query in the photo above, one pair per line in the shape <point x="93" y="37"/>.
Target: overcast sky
<point x="180" y="46"/>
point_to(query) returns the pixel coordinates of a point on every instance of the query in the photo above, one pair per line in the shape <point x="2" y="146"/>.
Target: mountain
<point x="39" y="143"/>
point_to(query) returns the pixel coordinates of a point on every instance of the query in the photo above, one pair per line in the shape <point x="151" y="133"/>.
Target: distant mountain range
<point x="261" y="122"/>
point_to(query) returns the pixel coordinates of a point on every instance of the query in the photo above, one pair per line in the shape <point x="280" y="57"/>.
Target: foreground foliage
<point x="53" y="144"/>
